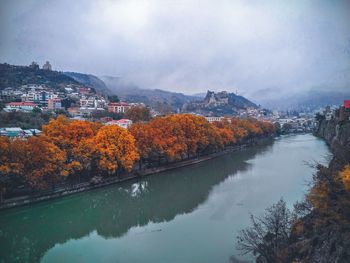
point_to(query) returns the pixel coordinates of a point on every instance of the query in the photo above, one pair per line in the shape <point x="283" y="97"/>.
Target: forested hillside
<point x="15" y="76"/>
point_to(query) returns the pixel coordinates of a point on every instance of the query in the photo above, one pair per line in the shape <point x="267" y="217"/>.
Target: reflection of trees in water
<point x="27" y="233"/>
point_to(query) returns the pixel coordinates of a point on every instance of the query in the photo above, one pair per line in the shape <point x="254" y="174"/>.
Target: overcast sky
<point x="186" y="46"/>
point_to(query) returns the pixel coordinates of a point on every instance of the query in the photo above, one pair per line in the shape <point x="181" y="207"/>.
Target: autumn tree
<point x="239" y="132"/>
<point x="144" y="135"/>
<point x="329" y="195"/>
<point x="177" y="136"/>
<point x="171" y="137"/>
<point x="5" y="164"/>
<point x="43" y="162"/>
<point x="56" y="130"/>
<point x="267" y="127"/>
<point x="345" y="177"/>
<point x="35" y="161"/>
<point x="76" y="139"/>
<point x="115" y="147"/>
<point x="138" y="114"/>
<point x="189" y="132"/>
<point x="168" y="139"/>
<point x="226" y="132"/>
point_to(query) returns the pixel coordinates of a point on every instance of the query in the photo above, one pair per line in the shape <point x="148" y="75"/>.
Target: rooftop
<point x="14" y="104"/>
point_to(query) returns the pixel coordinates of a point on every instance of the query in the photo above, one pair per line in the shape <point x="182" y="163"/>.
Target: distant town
<point x="81" y="102"/>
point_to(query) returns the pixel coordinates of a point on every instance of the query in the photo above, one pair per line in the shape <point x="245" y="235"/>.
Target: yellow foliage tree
<point x="115" y="147"/>
<point x="44" y="162"/>
<point x="75" y="138"/>
<point x="345" y="177"/>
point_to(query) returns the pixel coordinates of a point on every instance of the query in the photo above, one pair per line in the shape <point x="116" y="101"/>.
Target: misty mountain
<point x="154" y="97"/>
<point x="90" y="81"/>
<point x="310" y="100"/>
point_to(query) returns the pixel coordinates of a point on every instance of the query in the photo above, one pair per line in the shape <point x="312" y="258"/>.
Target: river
<point x="191" y="214"/>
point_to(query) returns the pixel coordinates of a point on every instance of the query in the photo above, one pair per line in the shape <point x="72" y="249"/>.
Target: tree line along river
<point x="192" y="214"/>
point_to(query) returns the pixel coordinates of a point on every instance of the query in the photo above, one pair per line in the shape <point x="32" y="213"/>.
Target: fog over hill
<point x="311" y="99"/>
<point x="154" y="97"/>
<point x="90" y="81"/>
<point x="286" y="47"/>
<point x="14" y="76"/>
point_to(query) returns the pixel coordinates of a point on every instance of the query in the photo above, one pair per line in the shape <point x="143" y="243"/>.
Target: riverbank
<point x="87" y="186"/>
<point x="324" y="231"/>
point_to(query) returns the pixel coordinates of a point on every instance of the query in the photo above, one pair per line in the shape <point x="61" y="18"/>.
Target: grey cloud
<point x="186" y="46"/>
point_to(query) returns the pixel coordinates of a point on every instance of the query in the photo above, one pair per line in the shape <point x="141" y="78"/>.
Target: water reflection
<point x="27" y="233"/>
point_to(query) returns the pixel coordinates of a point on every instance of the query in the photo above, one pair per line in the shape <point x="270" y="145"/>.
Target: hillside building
<point x="124" y="123"/>
<point x="118" y="107"/>
<point x="54" y="104"/>
<point x="20" y="106"/>
<point x="47" y="66"/>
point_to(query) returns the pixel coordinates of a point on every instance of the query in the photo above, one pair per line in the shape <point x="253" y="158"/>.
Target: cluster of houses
<point x="306" y="122"/>
<point x="337" y="113"/>
<point x="293" y="121"/>
<point x="297" y="124"/>
<point x="257" y="113"/>
<point x="28" y="97"/>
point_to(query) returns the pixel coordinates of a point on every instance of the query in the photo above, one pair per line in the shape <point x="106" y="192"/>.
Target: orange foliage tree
<point x="115" y="147"/>
<point x="76" y="139"/>
<point x="184" y="135"/>
<point x="69" y="147"/>
<point x="330" y="195"/>
<point x="144" y="136"/>
<point x="345" y="177"/>
<point x="35" y="161"/>
<point x="43" y="162"/>
<point x="6" y="164"/>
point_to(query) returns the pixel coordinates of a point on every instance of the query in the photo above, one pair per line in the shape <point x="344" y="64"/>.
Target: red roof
<point x="123" y="121"/>
<point x="347" y="104"/>
<point x="19" y="104"/>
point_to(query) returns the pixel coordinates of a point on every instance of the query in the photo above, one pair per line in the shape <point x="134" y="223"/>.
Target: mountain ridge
<point x="154" y="97"/>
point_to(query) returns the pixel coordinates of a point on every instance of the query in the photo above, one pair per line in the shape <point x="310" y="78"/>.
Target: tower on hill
<point x="47" y="66"/>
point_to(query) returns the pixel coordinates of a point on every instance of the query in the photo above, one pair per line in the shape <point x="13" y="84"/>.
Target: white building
<point x="92" y="102"/>
<point x="214" y="119"/>
<point x="20" y="106"/>
<point x="124" y="123"/>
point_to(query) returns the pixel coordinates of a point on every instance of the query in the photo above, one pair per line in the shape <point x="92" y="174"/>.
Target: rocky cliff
<point x="323" y="234"/>
<point x="337" y="135"/>
<point x="219" y="104"/>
